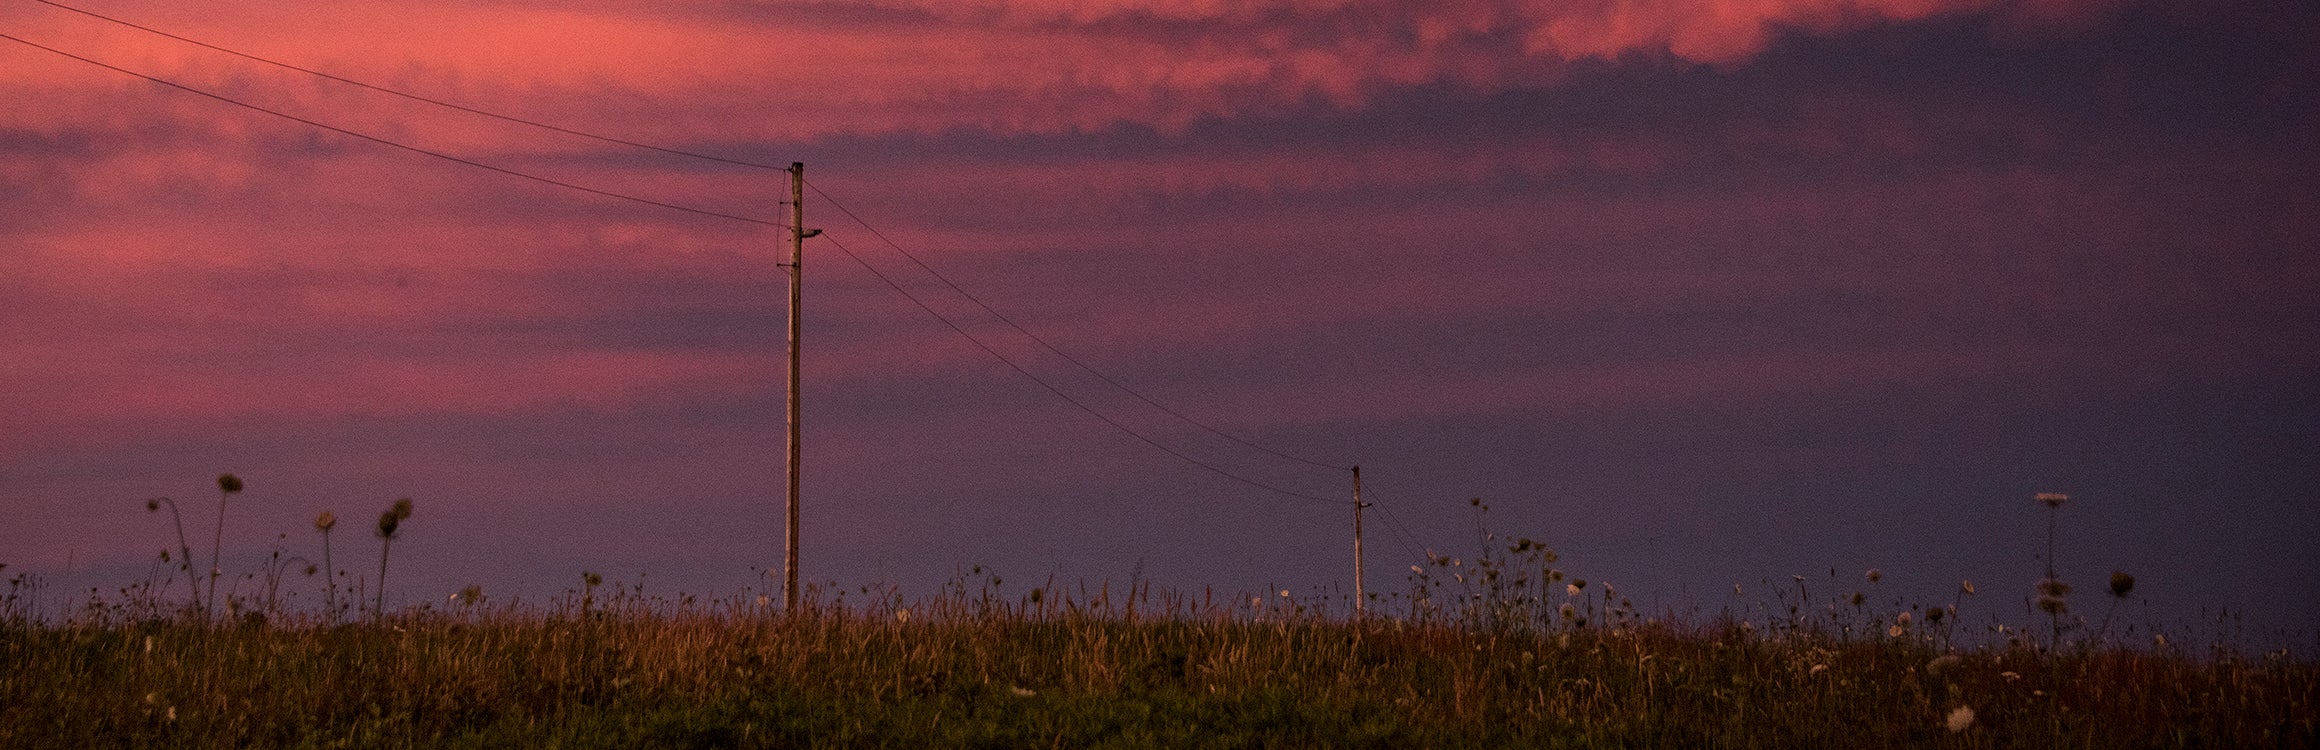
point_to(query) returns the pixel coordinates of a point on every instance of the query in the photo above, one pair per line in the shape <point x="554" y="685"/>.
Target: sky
<point x="1703" y="295"/>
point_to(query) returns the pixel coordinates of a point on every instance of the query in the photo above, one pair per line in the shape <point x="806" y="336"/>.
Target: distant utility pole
<point x="797" y="254"/>
<point x="1360" y="595"/>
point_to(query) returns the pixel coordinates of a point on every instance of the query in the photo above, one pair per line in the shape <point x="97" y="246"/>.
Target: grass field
<point x="1135" y="669"/>
<point x="1503" y="649"/>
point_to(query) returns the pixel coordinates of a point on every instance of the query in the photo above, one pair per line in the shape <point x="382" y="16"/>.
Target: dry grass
<point x="1092" y="669"/>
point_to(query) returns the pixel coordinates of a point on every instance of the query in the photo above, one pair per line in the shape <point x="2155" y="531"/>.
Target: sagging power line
<point x="882" y="237"/>
<point x="389" y="142"/>
<point x="798" y="236"/>
<point x="412" y="96"/>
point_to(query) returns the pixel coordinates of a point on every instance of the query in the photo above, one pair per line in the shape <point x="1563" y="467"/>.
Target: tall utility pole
<point x="1360" y="596"/>
<point x="797" y="277"/>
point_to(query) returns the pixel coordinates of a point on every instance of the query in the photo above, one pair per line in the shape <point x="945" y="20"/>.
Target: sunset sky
<point x="1699" y="293"/>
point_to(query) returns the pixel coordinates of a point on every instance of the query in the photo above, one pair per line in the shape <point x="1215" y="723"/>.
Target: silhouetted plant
<point x="184" y="552"/>
<point x="323" y="523"/>
<point x="2053" y="594"/>
<point x="227" y="484"/>
<point x="390" y="522"/>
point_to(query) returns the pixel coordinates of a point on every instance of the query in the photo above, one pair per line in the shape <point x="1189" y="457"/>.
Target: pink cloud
<point x="784" y="72"/>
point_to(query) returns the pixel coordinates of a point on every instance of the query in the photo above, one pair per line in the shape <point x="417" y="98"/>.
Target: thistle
<point x="322" y="523"/>
<point x="389" y="523"/>
<point x="2121" y="585"/>
<point x="227" y="484"/>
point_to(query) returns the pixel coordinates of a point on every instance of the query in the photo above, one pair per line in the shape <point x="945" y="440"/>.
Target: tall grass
<point x="1503" y="648"/>
<point x="974" y="667"/>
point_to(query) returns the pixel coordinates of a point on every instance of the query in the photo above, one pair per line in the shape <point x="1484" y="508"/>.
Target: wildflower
<point x="1960" y="718"/>
<point x="1284" y="593"/>
<point x="2121" y="583"/>
<point x="591" y="578"/>
<point x="1897" y="630"/>
<point x="1568" y="611"/>
<point x="2052" y="596"/>
<point x="324" y="521"/>
<point x="1571" y="589"/>
<point x="229" y="483"/>
<point x="2053" y="499"/>
<point x="1876" y="575"/>
<point x="902" y="615"/>
<point x="1966" y="587"/>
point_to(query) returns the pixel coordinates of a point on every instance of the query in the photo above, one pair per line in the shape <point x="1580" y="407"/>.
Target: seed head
<point x="2053" y="499"/>
<point x="401" y="508"/>
<point x="324" y="520"/>
<point x="1876" y="575"/>
<point x="388" y="521"/>
<point x="1966" y="587"/>
<point x="2121" y="583"/>
<point x="591" y="578"/>
<point x="2054" y="588"/>
<point x="1959" y="719"/>
<point x="229" y="483"/>
<point x="153" y="505"/>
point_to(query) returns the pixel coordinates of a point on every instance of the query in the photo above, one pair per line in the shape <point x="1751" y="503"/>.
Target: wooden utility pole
<point x="1360" y="595"/>
<point x="797" y="254"/>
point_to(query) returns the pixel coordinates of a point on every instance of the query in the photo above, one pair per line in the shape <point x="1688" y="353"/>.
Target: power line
<point x="1406" y="540"/>
<point x="1059" y="392"/>
<point x="849" y="253"/>
<point x="411" y="96"/>
<point x="1051" y="347"/>
<point x="395" y="144"/>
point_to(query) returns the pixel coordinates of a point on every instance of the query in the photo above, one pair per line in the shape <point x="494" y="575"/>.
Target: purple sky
<point x="1698" y="293"/>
